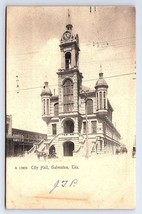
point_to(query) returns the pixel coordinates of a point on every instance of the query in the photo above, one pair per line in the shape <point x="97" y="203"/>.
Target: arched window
<point x="47" y="106"/>
<point x="68" y="126"/>
<point x="68" y="95"/>
<point x="100" y="100"/>
<point x="104" y="100"/>
<point x="67" y="60"/>
<point x="56" y="109"/>
<point x="43" y="106"/>
<point x="89" y="106"/>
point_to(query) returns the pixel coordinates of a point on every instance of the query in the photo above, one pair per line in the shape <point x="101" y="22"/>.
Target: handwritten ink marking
<point x="55" y="185"/>
<point x="64" y="183"/>
<point x="73" y="183"/>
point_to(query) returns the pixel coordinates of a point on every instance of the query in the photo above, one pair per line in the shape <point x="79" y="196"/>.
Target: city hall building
<point x="79" y="119"/>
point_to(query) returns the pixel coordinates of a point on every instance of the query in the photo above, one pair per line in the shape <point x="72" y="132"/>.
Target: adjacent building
<point x="19" y="141"/>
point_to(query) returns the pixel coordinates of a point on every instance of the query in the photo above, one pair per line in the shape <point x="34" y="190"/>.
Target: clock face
<point x="66" y="35"/>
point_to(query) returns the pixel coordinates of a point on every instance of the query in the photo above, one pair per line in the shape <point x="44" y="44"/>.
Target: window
<point x="97" y="101"/>
<point x="44" y="106"/>
<point x="54" y="129"/>
<point x="101" y="146"/>
<point x="100" y="100"/>
<point x="84" y="127"/>
<point x="68" y="126"/>
<point x="104" y="100"/>
<point x="67" y="60"/>
<point x="94" y="126"/>
<point x="89" y="106"/>
<point x="56" y="109"/>
<point x="68" y="95"/>
<point x="47" y="106"/>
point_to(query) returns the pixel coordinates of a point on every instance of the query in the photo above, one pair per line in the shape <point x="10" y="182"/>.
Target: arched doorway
<point x="68" y="148"/>
<point x="52" y="150"/>
<point x="69" y="126"/>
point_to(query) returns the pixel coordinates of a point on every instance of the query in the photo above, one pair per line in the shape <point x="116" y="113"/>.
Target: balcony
<point x="69" y="136"/>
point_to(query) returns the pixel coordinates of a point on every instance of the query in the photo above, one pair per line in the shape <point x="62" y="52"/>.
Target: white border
<point x="138" y="5"/>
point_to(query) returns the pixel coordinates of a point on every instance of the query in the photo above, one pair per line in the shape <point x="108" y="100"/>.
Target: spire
<point x="69" y="25"/>
<point x="101" y="82"/>
<point x="100" y="73"/>
<point x="69" y="18"/>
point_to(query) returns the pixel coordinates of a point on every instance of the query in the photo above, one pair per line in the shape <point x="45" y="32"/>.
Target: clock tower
<point x="69" y="76"/>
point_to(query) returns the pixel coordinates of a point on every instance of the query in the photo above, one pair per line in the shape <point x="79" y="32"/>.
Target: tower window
<point x="97" y="101"/>
<point x="104" y="100"/>
<point x="67" y="60"/>
<point x="56" y="109"/>
<point x="89" y="106"/>
<point x="54" y="129"/>
<point x="68" y="95"/>
<point x="100" y="100"/>
<point x="94" y="126"/>
<point x="47" y="106"/>
<point x="44" y="106"/>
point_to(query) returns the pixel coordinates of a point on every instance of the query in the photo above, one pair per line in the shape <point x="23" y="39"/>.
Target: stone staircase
<point x="58" y="140"/>
<point x="40" y="146"/>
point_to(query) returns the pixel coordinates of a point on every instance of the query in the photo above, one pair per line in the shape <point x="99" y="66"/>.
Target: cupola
<point x="101" y="94"/>
<point x="101" y="82"/>
<point x="45" y="99"/>
<point x="46" y="90"/>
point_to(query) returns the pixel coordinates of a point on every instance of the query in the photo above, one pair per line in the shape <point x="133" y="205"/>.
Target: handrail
<point x="53" y="139"/>
<point x="77" y="150"/>
<point x="33" y="147"/>
<point x="82" y="137"/>
<point x="40" y="142"/>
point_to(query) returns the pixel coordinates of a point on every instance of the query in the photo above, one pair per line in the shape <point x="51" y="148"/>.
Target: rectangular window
<point x="84" y="127"/>
<point x="94" y="126"/>
<point x="54" y="129"/>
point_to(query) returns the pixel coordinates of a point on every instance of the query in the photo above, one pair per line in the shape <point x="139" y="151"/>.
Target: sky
<point x="107" y="38"/>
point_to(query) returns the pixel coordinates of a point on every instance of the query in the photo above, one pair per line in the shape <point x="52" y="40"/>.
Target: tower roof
<point x="46" y="90"/>
<point x="101" y="82"/>
<point x="68" y="36"/>
<point x="69" y="25"/>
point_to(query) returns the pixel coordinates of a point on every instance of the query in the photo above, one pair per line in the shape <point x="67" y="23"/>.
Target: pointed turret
<point x="45" y="99"/>
<point x="101" y="82"/>
<point x="101" y="94"/>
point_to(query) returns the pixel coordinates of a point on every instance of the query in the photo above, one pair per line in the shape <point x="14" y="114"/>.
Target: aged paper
<point x="70" y="107"/>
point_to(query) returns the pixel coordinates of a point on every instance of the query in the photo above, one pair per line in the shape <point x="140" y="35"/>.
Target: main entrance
<point x="68" y="148"/>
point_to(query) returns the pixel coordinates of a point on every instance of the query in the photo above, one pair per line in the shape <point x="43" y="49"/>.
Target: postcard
<point x="70" y="107"/>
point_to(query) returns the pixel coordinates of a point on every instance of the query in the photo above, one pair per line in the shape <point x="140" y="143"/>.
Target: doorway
<point x="68" y="148"/>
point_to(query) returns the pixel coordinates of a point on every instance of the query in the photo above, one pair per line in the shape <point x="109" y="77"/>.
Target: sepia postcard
<point x="70" y="107"/>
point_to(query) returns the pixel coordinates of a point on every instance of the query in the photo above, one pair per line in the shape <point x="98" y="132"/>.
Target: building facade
<point x="79" y="119"/>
